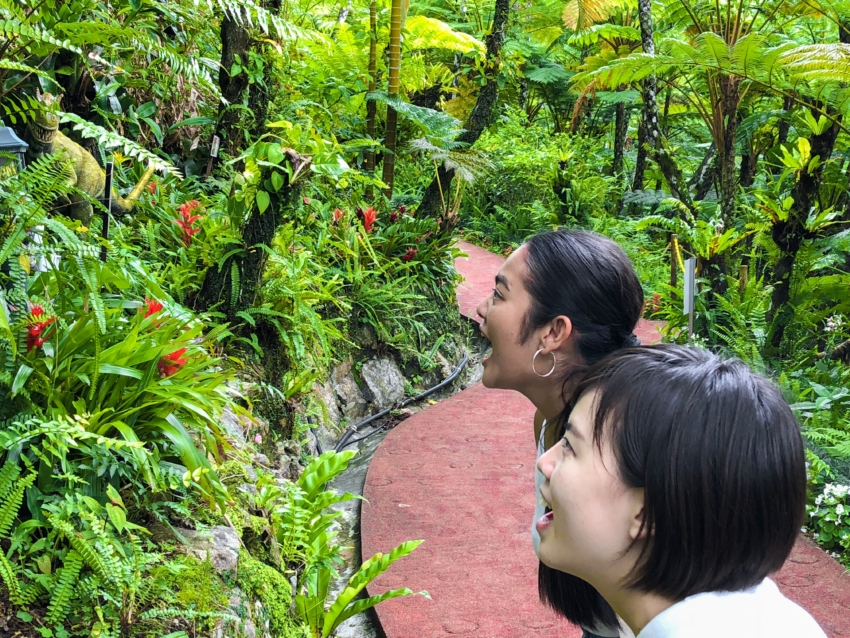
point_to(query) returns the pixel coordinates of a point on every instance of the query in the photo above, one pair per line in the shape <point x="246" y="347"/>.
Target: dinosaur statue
<point x="45" y="138"/>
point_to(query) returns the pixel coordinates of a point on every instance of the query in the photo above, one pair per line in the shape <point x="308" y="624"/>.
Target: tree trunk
<point x="785" y="122"/>
<point x="235" y="43"/>
<point x="667" y="98"/>
<point x="481" y="116"/>
<point x="790" y="233"/>
<point x="371" y="105"/>
<point x="703" y="178"/>
<point x="260" y="94"/>
<point x="394" y="72"/>
<point x="217" y="290"/>
<point x="621" y="130"/>
<point x="523" y="94"/>
<point x="729" y="90"/>
<point x="655" y="147"/>
<point x="640" y="160"/>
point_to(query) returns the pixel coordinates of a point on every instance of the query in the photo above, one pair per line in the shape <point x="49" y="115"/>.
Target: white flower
<point x="839" y="509"/>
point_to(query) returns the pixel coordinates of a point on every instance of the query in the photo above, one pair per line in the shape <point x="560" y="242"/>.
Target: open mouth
<point x="43" y="134"/>
<point x="544" y="521"/>
<point x="487" y="354"/>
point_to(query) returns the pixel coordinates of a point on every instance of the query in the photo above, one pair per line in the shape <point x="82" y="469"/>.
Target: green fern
<point x="12" y="504"/>
<point x="13" y="29"/>
<point x="90" y="556"/>
<point x="60" y="599"/>
<point x="110" y="139"/>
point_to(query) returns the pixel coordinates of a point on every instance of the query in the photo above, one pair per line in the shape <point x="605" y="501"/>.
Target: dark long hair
<point x="719" y="456"/>
<point x="588" y="278"/>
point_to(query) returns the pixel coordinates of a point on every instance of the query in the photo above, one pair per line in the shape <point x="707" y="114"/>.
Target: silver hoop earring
<point x="534" y="360"/>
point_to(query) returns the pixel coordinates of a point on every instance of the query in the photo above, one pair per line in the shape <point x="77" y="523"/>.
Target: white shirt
<point x="759" y="611"/>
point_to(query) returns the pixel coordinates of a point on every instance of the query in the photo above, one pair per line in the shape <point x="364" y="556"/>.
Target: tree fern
<point x="580" y="14"/>
<point x="64" y="589"/>
<point x="429" y="33"/>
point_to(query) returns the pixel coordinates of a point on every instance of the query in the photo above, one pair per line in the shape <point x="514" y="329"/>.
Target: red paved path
<point x="459" y="475"/>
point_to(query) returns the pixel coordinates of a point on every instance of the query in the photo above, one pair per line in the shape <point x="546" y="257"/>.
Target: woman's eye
<point x="496" y="294"/>
<point x="566" y="443"/>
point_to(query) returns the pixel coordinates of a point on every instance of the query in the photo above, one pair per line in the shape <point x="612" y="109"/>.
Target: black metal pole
<point x="108" y="197"/>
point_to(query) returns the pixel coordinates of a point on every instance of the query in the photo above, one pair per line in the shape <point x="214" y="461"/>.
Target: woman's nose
<point x="545" y="463"/>
<point x="481" y="310"/>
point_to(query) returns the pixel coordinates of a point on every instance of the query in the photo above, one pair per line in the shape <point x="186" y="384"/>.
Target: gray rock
<point x="238" y="606"/>
<point x="250" y="473"/>
<point x="384" y="380"/>
<point x="232" y="424"/>
<point x="350" y="396"/>
<point x="445" y="367"/>
<point x="248" y="489"/>
<point x="325" y="393"/>
<point x="262" y="459"/>
<point x="220" y="545"/>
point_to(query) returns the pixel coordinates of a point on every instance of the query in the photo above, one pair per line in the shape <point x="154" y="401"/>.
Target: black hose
<point x="344" y="439"/>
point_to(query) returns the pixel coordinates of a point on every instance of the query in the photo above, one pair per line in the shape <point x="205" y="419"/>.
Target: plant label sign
<point x="688" y="296"/>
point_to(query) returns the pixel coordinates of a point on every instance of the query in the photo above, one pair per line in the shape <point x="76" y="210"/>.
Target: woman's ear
<point x="557" y="333"/>
<point x="637" y="528"/>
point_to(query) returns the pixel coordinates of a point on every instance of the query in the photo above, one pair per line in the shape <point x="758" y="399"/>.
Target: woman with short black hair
<point x="561" y="302"/>
<point x="678" y="487"/>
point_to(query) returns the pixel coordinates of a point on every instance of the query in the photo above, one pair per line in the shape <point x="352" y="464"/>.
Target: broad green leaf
<point x="263" y="201"/>
<point x="21" y="377"/>
<point x="108" y="368"/>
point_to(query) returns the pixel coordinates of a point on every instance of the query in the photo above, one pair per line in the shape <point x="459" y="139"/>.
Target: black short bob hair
<point x="720" y="458"/>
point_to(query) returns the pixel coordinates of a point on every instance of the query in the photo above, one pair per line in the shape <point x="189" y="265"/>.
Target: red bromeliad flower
<point x="36" y="330"/>
<point x="153" y="307"/>
<point x="338" y="213"/>
<point x="306" y="201"/>
<point x="410" y="254"/>
<point x="402" y="209"/>
<point x="152" y="187"/>
<point x="393" y="216"/>
<point x="370" y="215"/>
<point x="656" y="302"/>
<point x="171" y="363"/>
<point x="187" y="220"/>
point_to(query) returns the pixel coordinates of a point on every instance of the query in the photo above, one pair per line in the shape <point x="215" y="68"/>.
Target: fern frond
<point x="580" y="14"/>
<point x="421" y="32"/>
<point x="12" y="29"/>
<point x="607" y="31"/>
<point x="8" y="475"/>
<point x="234" y="283"/>
<point x="178" y="62"/>
<point x="548" y="74"/>
<point x="24" y="68"/>
<point x="12" y="504"/>
<point x="60" y="599"/>
<point x="10" y="579"/>
<point x="88" y="553"/>
<point x="110" y="139"/>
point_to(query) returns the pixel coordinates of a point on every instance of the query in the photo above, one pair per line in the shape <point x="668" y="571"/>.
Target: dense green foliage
<point x="233" y="291"/>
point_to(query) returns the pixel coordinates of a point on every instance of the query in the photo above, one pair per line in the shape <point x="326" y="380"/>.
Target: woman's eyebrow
<point x="500" y="279"/>
<point x="572" y="429"/>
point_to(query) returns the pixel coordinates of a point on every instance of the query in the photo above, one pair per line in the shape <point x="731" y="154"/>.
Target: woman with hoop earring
<point x="560" y="303"/>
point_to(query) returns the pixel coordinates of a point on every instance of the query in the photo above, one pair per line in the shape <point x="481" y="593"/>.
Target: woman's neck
<point x="548" y="396"/>
<point x="636" y="608"/>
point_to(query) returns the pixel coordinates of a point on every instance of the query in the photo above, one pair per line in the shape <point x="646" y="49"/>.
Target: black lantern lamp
<point x="11" y="144"/>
